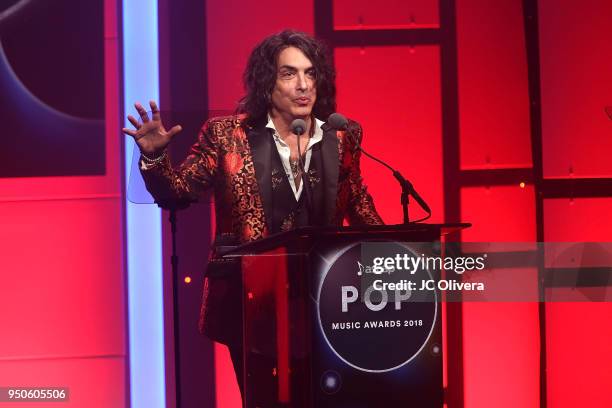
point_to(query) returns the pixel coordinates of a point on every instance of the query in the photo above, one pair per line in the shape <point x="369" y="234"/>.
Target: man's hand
<point x="150" y="135"/>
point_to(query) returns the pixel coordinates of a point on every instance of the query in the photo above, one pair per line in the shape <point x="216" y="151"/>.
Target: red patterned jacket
<point x="234" y="159"/>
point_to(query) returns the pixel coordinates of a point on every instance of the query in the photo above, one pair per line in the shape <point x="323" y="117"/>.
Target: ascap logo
<point x="377" y="270"/>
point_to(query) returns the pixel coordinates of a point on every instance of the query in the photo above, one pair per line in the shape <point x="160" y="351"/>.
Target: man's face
<point x="295" y="91"/>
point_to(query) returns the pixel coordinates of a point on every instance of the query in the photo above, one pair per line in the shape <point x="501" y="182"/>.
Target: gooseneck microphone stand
<point x="338" y="121"/>
<point x="407" y="187"/>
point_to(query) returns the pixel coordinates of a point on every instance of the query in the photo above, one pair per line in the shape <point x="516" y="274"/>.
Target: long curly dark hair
<point x="261" y="72"/>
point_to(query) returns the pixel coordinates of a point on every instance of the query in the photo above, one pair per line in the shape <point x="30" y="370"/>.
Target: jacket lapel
<point x="330" y="165"/>
<point x="260" y="143"/>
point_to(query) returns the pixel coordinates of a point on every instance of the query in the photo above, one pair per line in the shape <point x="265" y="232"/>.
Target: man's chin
<point x="302" y="113"/>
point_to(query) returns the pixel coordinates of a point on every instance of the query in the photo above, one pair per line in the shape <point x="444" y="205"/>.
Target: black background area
<point x="56" y="50"/>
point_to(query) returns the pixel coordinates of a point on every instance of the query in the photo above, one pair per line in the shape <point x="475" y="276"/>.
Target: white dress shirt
<point x="284" y="153"/>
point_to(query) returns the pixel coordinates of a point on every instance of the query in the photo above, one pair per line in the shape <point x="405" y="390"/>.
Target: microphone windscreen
<point x="298" y="127"/>
<point x="337" y="121"/>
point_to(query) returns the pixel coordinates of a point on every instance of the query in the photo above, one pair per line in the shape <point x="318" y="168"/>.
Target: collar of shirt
<point x="316" y="137"/>
<point x="283" y="152"/>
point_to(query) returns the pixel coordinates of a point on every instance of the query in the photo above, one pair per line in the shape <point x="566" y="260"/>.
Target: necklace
<point x="295" y="169"/>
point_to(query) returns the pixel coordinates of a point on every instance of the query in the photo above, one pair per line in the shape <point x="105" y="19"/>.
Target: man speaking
<point x="274" y="166"/>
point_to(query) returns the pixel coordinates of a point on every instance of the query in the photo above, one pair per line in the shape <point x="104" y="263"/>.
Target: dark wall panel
<point x="52" y="90"/>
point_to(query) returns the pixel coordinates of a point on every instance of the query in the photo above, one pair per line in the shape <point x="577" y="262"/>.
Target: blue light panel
<point x="144" y="246"/>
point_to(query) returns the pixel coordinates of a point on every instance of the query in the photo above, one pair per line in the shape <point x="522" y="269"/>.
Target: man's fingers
<point x="134" y="122"/>
<point x="129" y="132"/>
<point x="174" y="130"/>
<point x="142" y="112"/>
<point x="154" y="110"/>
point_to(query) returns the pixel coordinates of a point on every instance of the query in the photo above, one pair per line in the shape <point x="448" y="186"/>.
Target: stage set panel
<point x="63" y="266"/>
<point x="233" y="29"/>
<point x="92" y="382"/>
<point x="63" y="306"/>
<point x="576" y="82"/>
<point x="493" y="92"/>
<point x="503" y="361"/>
<point x="494" y="134"/>
<point x="394" y="93"/>
<point x="576" y="332"/>
<point x="575" y="70"/>
<point x="394" y="14"/>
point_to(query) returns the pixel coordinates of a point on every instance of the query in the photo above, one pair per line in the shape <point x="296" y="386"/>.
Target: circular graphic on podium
<point x="370" y="311"/>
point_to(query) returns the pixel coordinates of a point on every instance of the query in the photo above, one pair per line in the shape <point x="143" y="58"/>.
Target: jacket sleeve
<point x="361" y="209"/>
<point x="195" y="174"/>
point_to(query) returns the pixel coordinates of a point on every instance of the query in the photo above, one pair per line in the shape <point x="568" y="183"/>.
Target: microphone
<point x="337" y="121"/>
<point x="298" y="127"/>
<point x="340" y="122"/>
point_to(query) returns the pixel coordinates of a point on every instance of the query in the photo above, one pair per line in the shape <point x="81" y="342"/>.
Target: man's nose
<point x="302" y="81"/>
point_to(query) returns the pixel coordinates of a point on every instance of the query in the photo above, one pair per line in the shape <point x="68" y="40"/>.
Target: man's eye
<point x="286" y="74"/>
<point x="311" y="74"/>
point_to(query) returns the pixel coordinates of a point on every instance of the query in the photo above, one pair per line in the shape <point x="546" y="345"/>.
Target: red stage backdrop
<point x="62" y="308"/>
<point x="395" y="92"/>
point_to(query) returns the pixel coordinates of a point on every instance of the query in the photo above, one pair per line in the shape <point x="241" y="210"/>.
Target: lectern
<point x="332" y="317"/>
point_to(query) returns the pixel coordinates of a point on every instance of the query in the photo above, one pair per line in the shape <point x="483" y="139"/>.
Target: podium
<point x="330" y="318"/>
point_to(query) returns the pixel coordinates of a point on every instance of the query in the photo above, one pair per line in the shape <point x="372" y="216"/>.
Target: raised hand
<point x="151" y="136"/>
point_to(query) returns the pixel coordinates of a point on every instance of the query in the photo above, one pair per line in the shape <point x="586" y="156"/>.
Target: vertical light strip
<point x="144" y="248"/>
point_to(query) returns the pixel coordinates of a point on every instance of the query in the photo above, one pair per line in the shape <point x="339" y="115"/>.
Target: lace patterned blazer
<point x="235" y="159"/>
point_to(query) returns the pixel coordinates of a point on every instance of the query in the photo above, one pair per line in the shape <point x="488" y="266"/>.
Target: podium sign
<point x="331" y="318"/>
